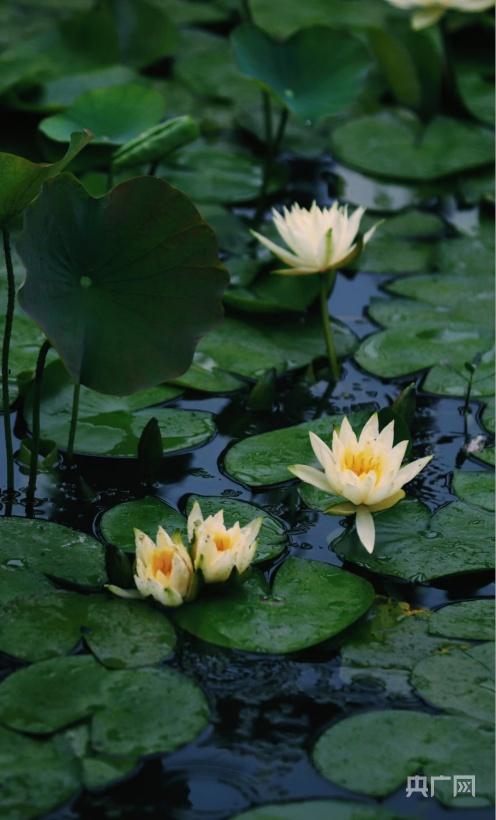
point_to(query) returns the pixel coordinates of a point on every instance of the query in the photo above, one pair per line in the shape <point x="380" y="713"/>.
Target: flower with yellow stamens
<point x="217" y="550"/>
<point x="428" y="12"/>
<point x="366" y="471"/>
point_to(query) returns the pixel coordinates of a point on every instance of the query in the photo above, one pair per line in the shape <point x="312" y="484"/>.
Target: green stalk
<point x="326" y="285"/>
<point x="74" y="418"/>
<point x="7" y="333"/>
<point x="281" y="128"/>
<point x="35" y="425"/>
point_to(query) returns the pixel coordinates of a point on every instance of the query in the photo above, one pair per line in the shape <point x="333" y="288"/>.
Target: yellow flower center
<point x="223" y="541"/>
<point x="362" y="462"/>
<point x="162" y="562"/>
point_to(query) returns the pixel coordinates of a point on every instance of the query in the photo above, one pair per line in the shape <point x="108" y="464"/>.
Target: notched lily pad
<point x="473" y="620"/>
<point x="254" y="619"/>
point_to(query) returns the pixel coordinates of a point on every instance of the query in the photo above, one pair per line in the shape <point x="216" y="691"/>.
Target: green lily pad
<point x="16" y="581"/>
<point x="487" y="455"/>
<point x="469" y="255"/>
<point x="37" y="775"/>
<point x="254" y="619"/>
<point x="460" y="681"/>
<point x="275" y="294"/>
<point x="448" y="380"/>
<point x="317" y="810"/>
<point x="476" y="88"/>
<point x="49" y="695"/>
<point x="97" y="770"/>
<point x="263" y="459"/>
<point x="61" y="92"/>
<point x="395" y="144"/>
<point x="383" y="748"/>
<point x="22" y="179"/>
<point x="204" y="375"/>
<point x="473" y="620"/>
<point x="488" y="415"/>
<point x="315" y="73"/>
<point x="52" y="549"/>
<point x="114" y="114"/>
<point x="475" y="488"/>
<point x="166" y="269"/>
<point x="280" y="19"/>
<point x="41" y="626"/>
<point x="149" y="711"/>
<point x="402" y="245"/>
<point x="112" y="425"/>
<point x="446" y="292"/>
<point x="411" y="545"/>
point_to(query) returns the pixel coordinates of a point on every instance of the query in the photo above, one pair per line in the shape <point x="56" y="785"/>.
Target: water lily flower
<point x="318" y="240"/>
<point x="217" y="550"/>
<point x="428" y="12"/>
<point x="366" y="471"/>
<point x="164" y="570"/>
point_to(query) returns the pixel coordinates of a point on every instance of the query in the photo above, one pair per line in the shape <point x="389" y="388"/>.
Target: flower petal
<point x="409" y="471"/>
<point x="311" y="476"/>
<point x="281" y="253"/>
<point x="195" y="518"/>
<point x="365" y="528"/>
<point x="370" y="430"/>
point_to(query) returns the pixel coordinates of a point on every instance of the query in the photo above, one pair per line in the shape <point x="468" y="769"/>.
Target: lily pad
<point x="315" y="73"/>
<point x="280" y="19"/>
<point x="411" y="545"/>
<point x="275" y="294"/>
<point x="149" y="711"/>
<point x="476" y="88"/>
<point x="15" y="580"/>
<point x="37" y="775"/>
<point x="473" y="620"/>
<point x="263" y="459"/>
<point x="52" y="549"/>
<point x="402" y="245"/>
<point x="112" y="425"/>
<point x="204" y="375"/>
<point x="165" y="267"/>
<point x="97" y="770"/>
<point x="460" y="681"/>
<point x="41" y="626"/>
<point x="395" y="144"/>
<point x="317" y="810"/>
<point x="49" y="695"/>
<point x="114" y="114"/>
<point x="254" y="619"/>
<point x="475" y="488"/>
<point x="383" y="748"/>
<point x="61" y="92"/>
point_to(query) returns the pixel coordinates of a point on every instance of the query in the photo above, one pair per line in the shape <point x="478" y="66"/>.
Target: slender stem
<point x="281" y="128"/>
<point x="35" y="425"/>
<point x="267" y="109"/>
<point x="7" y="333"/>
<point x="74" y="418"/>
<point x="246" y="11"/>
<point x="326" y="285"/>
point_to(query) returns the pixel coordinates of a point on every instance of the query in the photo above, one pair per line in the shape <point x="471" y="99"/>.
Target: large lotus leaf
<point x="42" y="625"/>
<point x="52" y="549"/>
<point x="460" y="681"/>
<point x="127" y="633"/>
<point x="387" y="644"/>
<point x="149" y="711"/>
<point x="114" y="114"/>
<point x="475" y="488"/>
<point x="317" y="810"/>
<point x="131" y="279"/>
<point x="281" y="19"/>
<point x="402" y="245"/>
<point x="252" y="618"/>
<point x="315" y="73"/>
<point x="112" y="425"/>
<point x="263" y="459"/>
<point x="37" y="775"/>
<point x="22" y="179"/>
<point x="383" y="748"/>
<point x="473" y="620"/>
<point x="411" y="545"/>
<point x="396" y="145"/>
<point x="49" y="695"/>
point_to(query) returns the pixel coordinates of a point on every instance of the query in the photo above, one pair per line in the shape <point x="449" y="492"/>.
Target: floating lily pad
<point x="37" y="775"/>
<point x="275" y="294"/>
<point x="393" y="144"/>
<point x="475" y="488"/>
<point x="263" y="459"/>
<point x="114" y="114"/>
<point x="53" y="549"/>
<point x="315" y="73"/>
<point x="51" y="694"/>
<point x="409" y="544"/>
<point x="42" y="626"/>
<point x="204" y="375"/>
<point x="473" y="620"/>
<point x="403" y="244"/>
<point x="252" y="618"/>
<point x="487" y="455"/>
<point x="317" y="810"/>
<point x="63" y="91"/>
<point x="15" y="580"/>
<point x="488" y="415"/>
<point x="97" y="770"/>
<point x="460" y="681"/>
<point x="280" y="19"/>
<point x="149" y="711"/>
<point x="447" y="292"/>
<point x="147" y="240"/>
<point x="476" y="87"/>
<point x="455" y="381"/>
<point x="383" y="748"/>
<point x="112" y="425"/>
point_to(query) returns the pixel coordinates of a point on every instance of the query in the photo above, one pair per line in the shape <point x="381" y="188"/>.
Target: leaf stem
<point x="267" y="109"/>
<point x="281" y="128"/>
<point x="7" y="333"/>
<point x="74" y="419"/>
<point x="326" y="285"/>
<point x="35" y="425"/>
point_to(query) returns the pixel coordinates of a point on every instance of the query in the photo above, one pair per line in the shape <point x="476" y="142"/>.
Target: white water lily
<point x="428" y="12"/>
<point x="318" y="240"/>
<point x="217" y="550"/>
<point x="164" y="570"/>
<point x="366" y="471"/>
